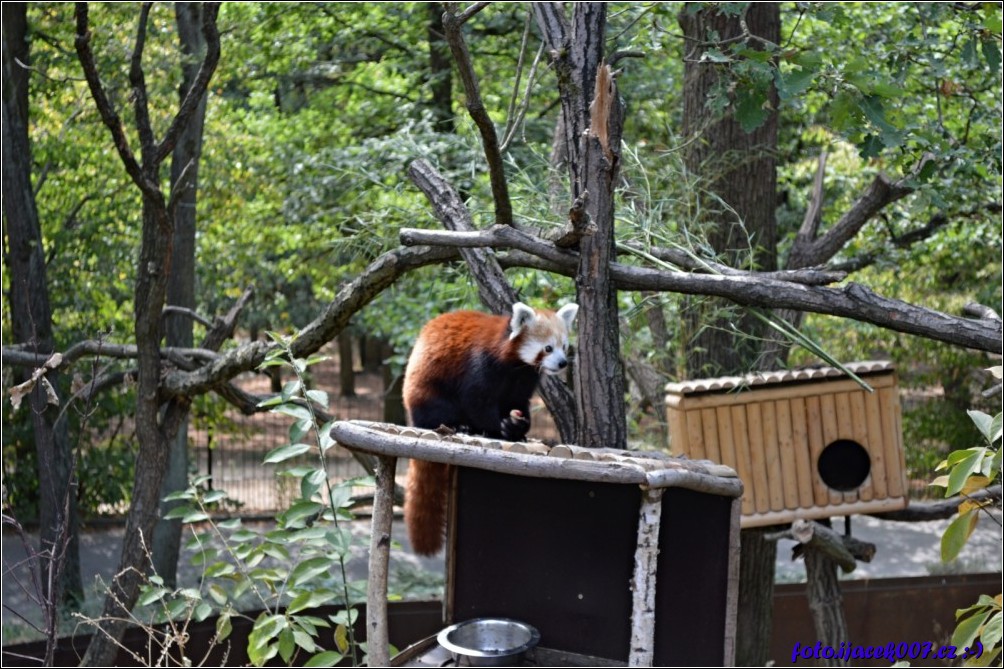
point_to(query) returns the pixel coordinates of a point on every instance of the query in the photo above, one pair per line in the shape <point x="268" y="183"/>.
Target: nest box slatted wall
<point x="807" y="444"/>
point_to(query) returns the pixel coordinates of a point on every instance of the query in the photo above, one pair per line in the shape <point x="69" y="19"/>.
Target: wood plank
<point x="726" y="440"/>
<point x="786" y="447"/>
<point x="769" y="393"/>
<point x="744" y="465"/>
<point x="876" y="446"/>
<point x="709" y="428"/>
<point x="678" y="440"/>
<point x="860" y="422"/>
<point x="772" y="456"/>
<point x="814" y="425"/>
<point x="800" y="445"/>
<point x="828" y="412"/>
<point x="695" y="436"/>
<point x="758" y="461"/>
<point x="892" y="430"/>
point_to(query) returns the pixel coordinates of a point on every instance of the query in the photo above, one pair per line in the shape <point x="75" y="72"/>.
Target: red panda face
<point x="541" y="337"/>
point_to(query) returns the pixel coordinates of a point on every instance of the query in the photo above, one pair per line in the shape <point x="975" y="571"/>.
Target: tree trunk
<point x="181" y="281"/>
<point x="31" y="319"/>
<point x="740" y="169"/>
<point x="589" y="101"/>
<point x="346" y="372"/>
<point x="439" y="81"/>
<point x="825" y="603"/>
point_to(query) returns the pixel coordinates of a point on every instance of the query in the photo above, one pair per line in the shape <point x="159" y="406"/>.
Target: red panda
<point x="474" y="373"/>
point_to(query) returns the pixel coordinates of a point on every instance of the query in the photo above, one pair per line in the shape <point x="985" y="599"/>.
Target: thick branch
<point x="918" y="512"/>
<point x="138" y="82"/>
<point x="380" y="275"/>
<point x="108" y="115"/>
<point x="452" y="25"/>
<point x="851" y="301"/>
<point x="199" y="85"/>
<point x="879" y="194"/>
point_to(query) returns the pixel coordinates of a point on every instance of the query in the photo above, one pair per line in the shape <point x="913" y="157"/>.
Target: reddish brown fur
<point x="443" y="350"/>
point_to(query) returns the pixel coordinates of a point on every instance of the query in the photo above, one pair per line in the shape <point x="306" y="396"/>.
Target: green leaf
<point x="328" y="658"/>
<point x="223" y="627"/>
<point x="300" y="511"/>
<point x="218" y="594"/>
<point x="345" y="617"/>
<point x="286" y="645"/>
<point x="271" y="402"/>
<point x="963" y="470"/>
<point x="202" y="611"/>
<point x="319" y="397"/>
<point x="309" y="600"/>
<point x="290" y="389"/>
<point x="308" y="569"/>
<point x="969" y="628"/>
<point x="151" y="595"/>
<point x="305" y="641"/>
<point x="751" y="111"/>
<point x="218" y="569"/>
<point x="294" y="410"/>
<point x="993" y="630"/>
<point x="715" y="56"/>
<point x="991" y="53"/>
<point x="179" y="512"/>
<point x="871" y="146"/>
<point x="312" y="482"/>
<point x="957" y="534"/>
<point x="793" y="83"/>
<point x="984" y="423"/>
<point x="196" y="516"/>
<point x="286" y="452"/>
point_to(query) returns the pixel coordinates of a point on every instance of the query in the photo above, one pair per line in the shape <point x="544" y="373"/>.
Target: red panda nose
<point x="562" y="364"/>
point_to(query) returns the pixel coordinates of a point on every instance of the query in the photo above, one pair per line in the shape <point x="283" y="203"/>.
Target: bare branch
<point x="138" y="82"/>
<point x="452" y="24"/>
<point x="466" y="15"/>
<point x="198" y="88"/>
<point x="879" y="194"/>
<point x="107" y="112"/>
<point x="918" y="512"/>
<point x="184" y="311"/>
<point x="851" y="301"/>
<point x="814" y="213"/>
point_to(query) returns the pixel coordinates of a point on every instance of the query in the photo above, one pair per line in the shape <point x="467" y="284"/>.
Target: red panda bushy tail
<point x="425" y="505"/>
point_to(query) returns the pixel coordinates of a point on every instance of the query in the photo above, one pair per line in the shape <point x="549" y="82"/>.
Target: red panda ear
<point x="522" y="316"/>
<point x="567" y="313"/>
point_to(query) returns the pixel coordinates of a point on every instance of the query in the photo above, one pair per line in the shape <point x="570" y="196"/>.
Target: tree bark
<point x="156" y="426"/>
<point x="181" y="281"/>
<point x="31" y="320"/>
<point x="740" y="169"/>
<point x="439" y="81"/>
<point x="589" y="100"/>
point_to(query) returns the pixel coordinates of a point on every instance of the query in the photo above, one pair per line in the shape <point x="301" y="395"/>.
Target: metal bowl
<point x="488" y="642"/>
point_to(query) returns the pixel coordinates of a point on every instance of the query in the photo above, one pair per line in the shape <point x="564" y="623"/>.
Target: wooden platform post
<point x="646" y="559"/>
<point x="377" y="635"/>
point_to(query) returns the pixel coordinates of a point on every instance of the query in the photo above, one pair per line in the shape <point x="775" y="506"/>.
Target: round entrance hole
<point x="844" y="465"/>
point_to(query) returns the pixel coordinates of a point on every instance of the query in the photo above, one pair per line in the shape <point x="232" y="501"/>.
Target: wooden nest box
<point x="808" y="443"/>
<point x="612" y="556"/>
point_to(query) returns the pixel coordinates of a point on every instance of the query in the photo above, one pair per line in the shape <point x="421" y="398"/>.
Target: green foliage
<point x="287" y="571"/>
<point x="970" y="470"/>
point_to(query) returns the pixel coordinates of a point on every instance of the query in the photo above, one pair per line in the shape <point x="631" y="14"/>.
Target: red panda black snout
<point x="475" y="373"/>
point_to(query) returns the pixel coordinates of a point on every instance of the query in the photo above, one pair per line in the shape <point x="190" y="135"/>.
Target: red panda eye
<point x="548" y="349"/>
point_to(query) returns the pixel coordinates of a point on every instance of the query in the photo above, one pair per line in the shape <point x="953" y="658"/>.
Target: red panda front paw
<point x="515" y="426"/>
